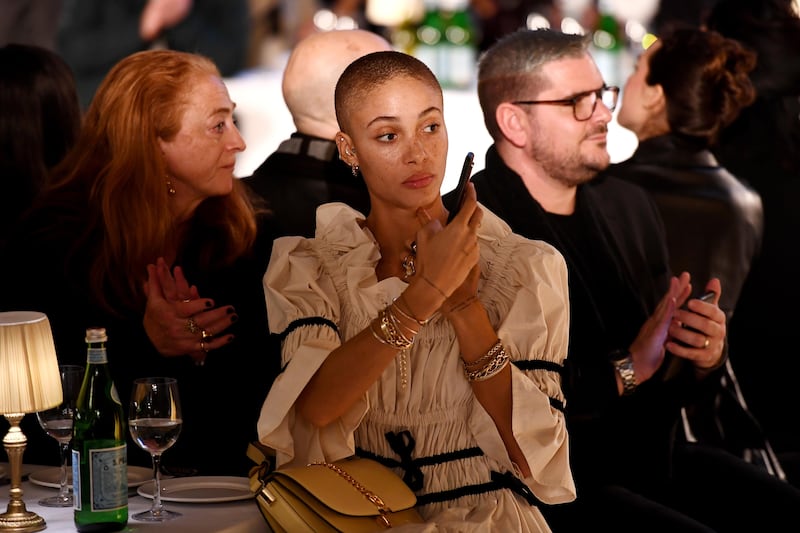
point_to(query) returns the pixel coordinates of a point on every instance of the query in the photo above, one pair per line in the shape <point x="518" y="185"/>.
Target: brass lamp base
<point x="17" y="518"/>
<point x="22" y="521"/>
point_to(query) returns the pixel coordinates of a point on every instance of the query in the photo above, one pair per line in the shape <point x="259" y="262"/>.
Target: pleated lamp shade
<point x="29" y="375"/>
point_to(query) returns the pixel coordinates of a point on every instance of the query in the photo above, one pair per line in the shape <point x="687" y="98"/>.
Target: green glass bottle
<point x="459" y="59"/>
<point x="99" y="446"/>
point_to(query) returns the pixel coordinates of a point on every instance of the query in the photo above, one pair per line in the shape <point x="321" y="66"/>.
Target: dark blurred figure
<point x="681" y="12"/>
<point x="685" y="89"/>
<point x="39" y="122"/>
<point x="30" y="22"/>
<point x="305" y="171"/>
<point x="95" y="34"/>
<point x="763" y="147"/>
<point x="500" y="17"/>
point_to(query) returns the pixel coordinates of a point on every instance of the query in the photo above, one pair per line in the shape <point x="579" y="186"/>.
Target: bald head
<point x="314" y="67"/>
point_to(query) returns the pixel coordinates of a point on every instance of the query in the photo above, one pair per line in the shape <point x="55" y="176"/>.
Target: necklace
<point x="409" y="267"/>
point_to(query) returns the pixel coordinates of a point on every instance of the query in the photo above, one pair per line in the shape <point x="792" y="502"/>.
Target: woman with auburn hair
<point x="145" y="202"/>
<point x="431" y="347"/>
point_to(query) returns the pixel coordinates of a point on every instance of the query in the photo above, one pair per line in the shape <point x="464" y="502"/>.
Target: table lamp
<point x="29" y="382"/>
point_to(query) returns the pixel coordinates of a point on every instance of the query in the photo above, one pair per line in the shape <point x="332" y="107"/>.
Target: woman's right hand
<point x="446" y="255"/>
<point x="177" y="320"/>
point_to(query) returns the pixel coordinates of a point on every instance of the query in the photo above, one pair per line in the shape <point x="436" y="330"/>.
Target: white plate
<point x="201" y="489"/>
<point x="51" y="477"/>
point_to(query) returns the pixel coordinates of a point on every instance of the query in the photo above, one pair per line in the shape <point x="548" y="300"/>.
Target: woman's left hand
<point x="698" y="332"/>
<point x="177" y="320"/>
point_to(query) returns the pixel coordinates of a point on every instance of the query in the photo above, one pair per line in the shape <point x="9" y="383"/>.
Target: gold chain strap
<point x="368" y="494"/>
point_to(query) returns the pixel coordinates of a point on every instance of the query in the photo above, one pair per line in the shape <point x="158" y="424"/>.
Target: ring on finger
<point x="191" y="326"/>
<point x="706" y="343"/>
<point x="206" y="334"/>
<point x="203" y="346"/>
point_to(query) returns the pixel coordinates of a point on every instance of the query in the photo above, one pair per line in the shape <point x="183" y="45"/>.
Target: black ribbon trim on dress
<point x="402" y="443"/>
<point x="499" y="482"/>
<point x="307" y="321"/>
<point x="538" y="364"/>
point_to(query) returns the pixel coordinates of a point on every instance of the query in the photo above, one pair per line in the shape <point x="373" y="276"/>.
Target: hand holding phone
<point x="707" y="296"/>
<point x="457" y="198"/>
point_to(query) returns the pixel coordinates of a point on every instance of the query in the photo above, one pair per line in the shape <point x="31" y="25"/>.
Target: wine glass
<point x="155" y="423"/>
<point x="57" y="422"/>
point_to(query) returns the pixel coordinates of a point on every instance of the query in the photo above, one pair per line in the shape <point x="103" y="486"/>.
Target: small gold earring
<point x="170" y="188"/>
<point x="354" y="169"/>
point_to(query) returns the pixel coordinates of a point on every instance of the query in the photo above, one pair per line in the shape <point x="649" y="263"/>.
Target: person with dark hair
<point x="684" y="90"/>
<point x="305" y="171"/>
<point x="762" y="147"/>
<point x="547" y="108"/>
<point x="40" y="121"/>
<point x="145" y="202"/>
<point x="434" y="349"/>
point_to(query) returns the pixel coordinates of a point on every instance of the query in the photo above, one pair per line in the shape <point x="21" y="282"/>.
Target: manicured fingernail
<point x="209" y="303"/>
<point x="230" y="310"/>
<point x="234" y="318"/>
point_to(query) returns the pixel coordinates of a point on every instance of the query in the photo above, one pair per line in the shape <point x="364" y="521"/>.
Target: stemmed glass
<point x="57" y="422"/>
<point x="155" y="423"/>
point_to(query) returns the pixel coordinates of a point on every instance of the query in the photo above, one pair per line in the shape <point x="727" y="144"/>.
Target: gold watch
<point x="621" y="359"/>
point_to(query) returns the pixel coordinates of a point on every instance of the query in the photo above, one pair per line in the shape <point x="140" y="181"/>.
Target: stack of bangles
<point x="389" y="329"/>
<point x="487" y="366"/>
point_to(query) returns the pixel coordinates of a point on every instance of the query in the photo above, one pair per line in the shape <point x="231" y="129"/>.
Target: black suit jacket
<point x="606" y="430"/>
<point x="302" y="174"/>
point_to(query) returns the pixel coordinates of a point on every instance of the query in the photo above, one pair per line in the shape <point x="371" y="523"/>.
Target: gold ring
<point x="191" y="326"/>
<point x="705" y="344"/>
<point x="186" y="300"/>
<point x="205" y="334"/>
<point x="203" y="346"/>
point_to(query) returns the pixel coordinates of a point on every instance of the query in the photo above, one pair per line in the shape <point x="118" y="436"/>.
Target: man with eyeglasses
<point x="547" y="108"/>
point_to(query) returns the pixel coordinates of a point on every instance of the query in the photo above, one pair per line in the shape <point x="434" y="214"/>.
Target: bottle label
<point x="108" y="474"/>
<point x="76" y="480"/>
<point x="96" y="356"/>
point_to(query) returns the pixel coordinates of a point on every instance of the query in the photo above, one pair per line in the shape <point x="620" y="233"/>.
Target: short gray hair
<point x="509" y="69"/>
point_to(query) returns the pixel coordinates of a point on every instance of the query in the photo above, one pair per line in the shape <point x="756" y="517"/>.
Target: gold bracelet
<point x="463" y="304"/>
<point x="492" y="369"/>
<point x="408" y="315"/>
<point x="429" y="282"/>
<point x="391" y="335"/>
<point x="486" y="358"/>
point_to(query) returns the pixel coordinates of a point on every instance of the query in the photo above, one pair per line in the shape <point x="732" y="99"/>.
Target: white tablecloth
<point x="228" y="517"/>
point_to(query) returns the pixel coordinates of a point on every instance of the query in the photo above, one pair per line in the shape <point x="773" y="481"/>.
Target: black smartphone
<point x="706" y="297"/>
<point x="457" y="197"/>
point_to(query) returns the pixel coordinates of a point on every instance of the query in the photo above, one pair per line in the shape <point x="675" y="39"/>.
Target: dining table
<point x="240" y="516"/>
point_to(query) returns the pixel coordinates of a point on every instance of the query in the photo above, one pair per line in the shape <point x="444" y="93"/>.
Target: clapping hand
<point x="177" y="320"/>
<point x="648" y="349"/>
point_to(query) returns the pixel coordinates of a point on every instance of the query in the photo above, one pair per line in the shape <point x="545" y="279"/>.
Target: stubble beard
<point x="573" y="168"/>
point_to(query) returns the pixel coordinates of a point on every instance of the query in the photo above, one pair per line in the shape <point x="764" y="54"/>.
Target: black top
<point x="618" y="270"/>
<point x="302" y="174"/>
<point x="221" y="400"/>
<point x="714" y="222"/>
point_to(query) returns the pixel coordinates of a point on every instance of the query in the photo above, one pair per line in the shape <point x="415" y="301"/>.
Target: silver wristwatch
<point x="621" y="359"/>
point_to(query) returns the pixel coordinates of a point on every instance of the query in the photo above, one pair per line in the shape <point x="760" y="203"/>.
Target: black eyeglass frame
<point x="573" y="101"/>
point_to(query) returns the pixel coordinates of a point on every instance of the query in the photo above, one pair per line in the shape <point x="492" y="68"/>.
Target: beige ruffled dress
<point x="444" y="442"/>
